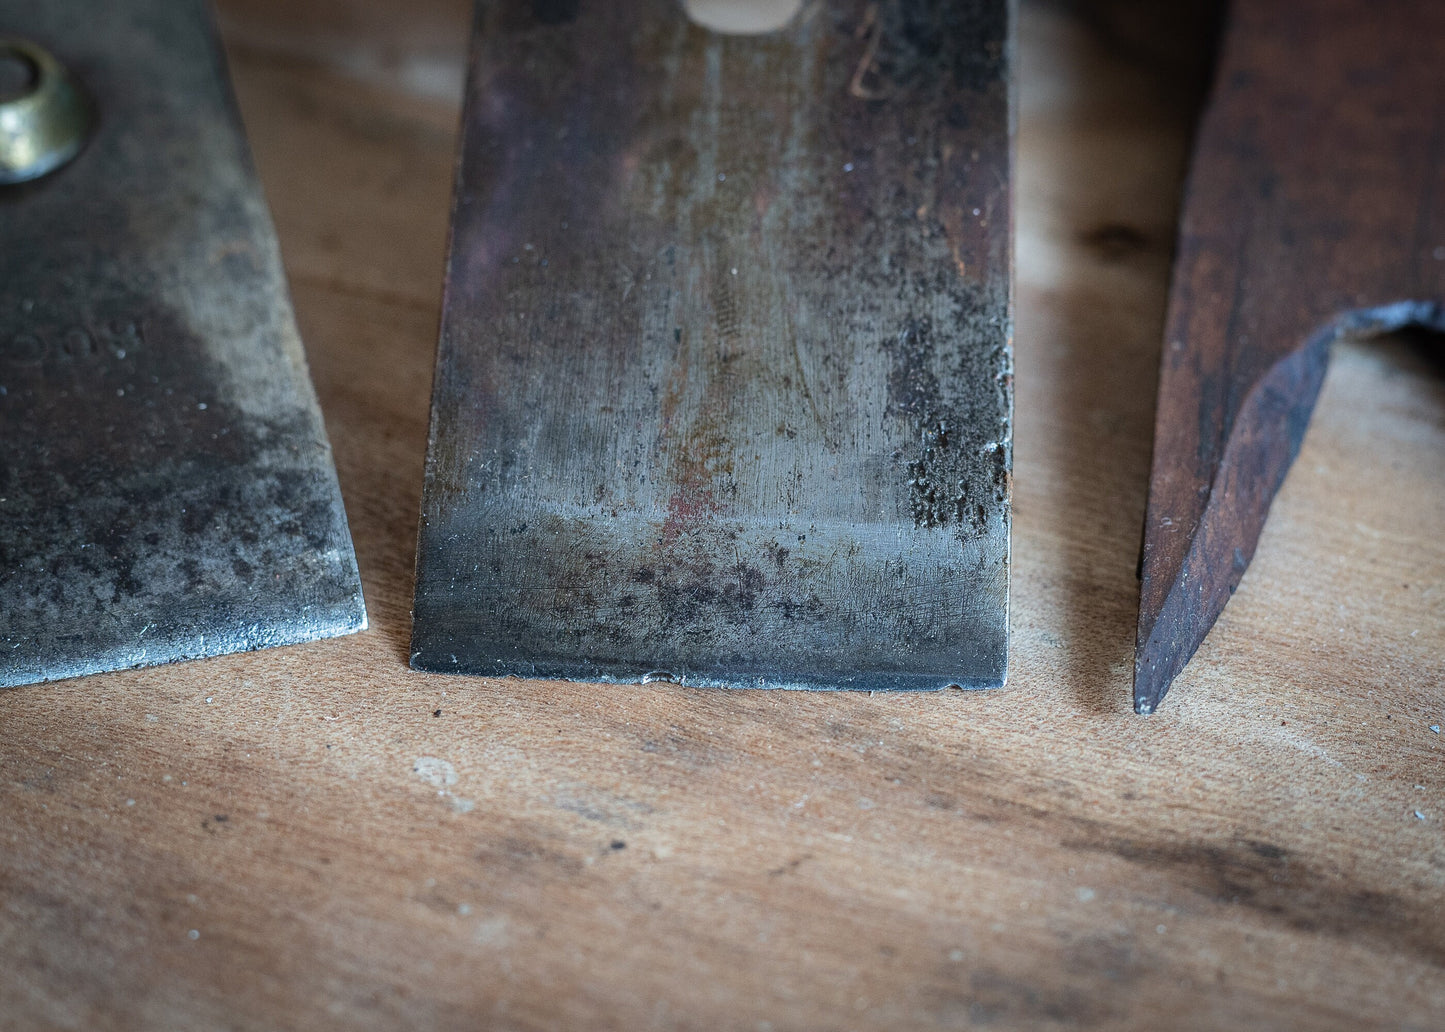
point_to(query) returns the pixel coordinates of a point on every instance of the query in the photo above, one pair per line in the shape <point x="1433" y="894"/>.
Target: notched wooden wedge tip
<point x="1315" y="211"/>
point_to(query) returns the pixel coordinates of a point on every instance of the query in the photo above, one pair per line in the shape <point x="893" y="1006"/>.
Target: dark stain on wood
<point x="1297" y="892"/>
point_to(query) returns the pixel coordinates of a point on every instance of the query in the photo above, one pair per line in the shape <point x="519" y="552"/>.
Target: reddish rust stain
<point x="690" y="505"/>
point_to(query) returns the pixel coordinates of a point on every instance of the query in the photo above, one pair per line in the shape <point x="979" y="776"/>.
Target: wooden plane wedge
<point x="1314" y="211"/>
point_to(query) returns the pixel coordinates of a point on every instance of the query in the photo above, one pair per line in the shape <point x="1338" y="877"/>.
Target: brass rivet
<point x="44" y="117"/>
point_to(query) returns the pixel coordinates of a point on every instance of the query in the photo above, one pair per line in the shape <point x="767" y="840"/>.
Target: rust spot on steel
<point x="1315" y="211"/>
<point x="714" y="399"/>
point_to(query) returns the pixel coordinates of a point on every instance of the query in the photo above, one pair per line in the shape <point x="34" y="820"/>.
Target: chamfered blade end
<point x="33" y="662"/>
<point x="451" y="653"/>
<point x="583" y="672"/>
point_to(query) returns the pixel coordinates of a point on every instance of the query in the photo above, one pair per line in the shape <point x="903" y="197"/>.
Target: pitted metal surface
<point x="166" y="487"/>
<point x="724" y="385"/>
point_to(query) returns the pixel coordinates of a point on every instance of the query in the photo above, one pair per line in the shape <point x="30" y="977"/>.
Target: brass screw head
<point x="44" y="116"/>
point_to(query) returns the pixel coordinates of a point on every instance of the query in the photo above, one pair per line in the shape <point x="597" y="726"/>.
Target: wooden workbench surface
<point x="314" y="837"/>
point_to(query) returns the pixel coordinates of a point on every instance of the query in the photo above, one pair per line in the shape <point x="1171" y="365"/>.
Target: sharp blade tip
<point x="1152" y="679"/>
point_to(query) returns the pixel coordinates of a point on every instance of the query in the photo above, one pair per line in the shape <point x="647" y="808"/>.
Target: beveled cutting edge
<point x="166" y="487"/>
<point x="723" y="392"/>
<point x="1315" y="210"/>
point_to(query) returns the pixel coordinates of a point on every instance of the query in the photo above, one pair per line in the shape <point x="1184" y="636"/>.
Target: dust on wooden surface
<point x="297" y="838"/>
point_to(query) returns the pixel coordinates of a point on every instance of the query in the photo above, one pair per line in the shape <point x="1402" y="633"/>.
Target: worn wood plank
<point x="789" y="861"/>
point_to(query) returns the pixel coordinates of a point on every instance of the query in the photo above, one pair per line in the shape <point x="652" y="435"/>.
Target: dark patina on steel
<point x="724" y="386"/>
<point x="166" y="488"/>
<point x="1315" y="211"/>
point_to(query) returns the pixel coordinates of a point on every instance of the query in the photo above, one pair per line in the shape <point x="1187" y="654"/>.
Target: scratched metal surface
<point x="724" y="385"/>
<point x="166" y="487"/>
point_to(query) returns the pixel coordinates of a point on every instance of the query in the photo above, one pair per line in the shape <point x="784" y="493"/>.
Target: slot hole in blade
<point x="742" y="17"/>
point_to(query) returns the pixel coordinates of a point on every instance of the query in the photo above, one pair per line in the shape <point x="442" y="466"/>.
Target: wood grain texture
<point x="1036" y="857"/>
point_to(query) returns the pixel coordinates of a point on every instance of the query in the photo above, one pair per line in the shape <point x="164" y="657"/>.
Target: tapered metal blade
<point x="1315" y="210"/>
<point x="166" y="488"/>
<point x="724" y="385"/>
